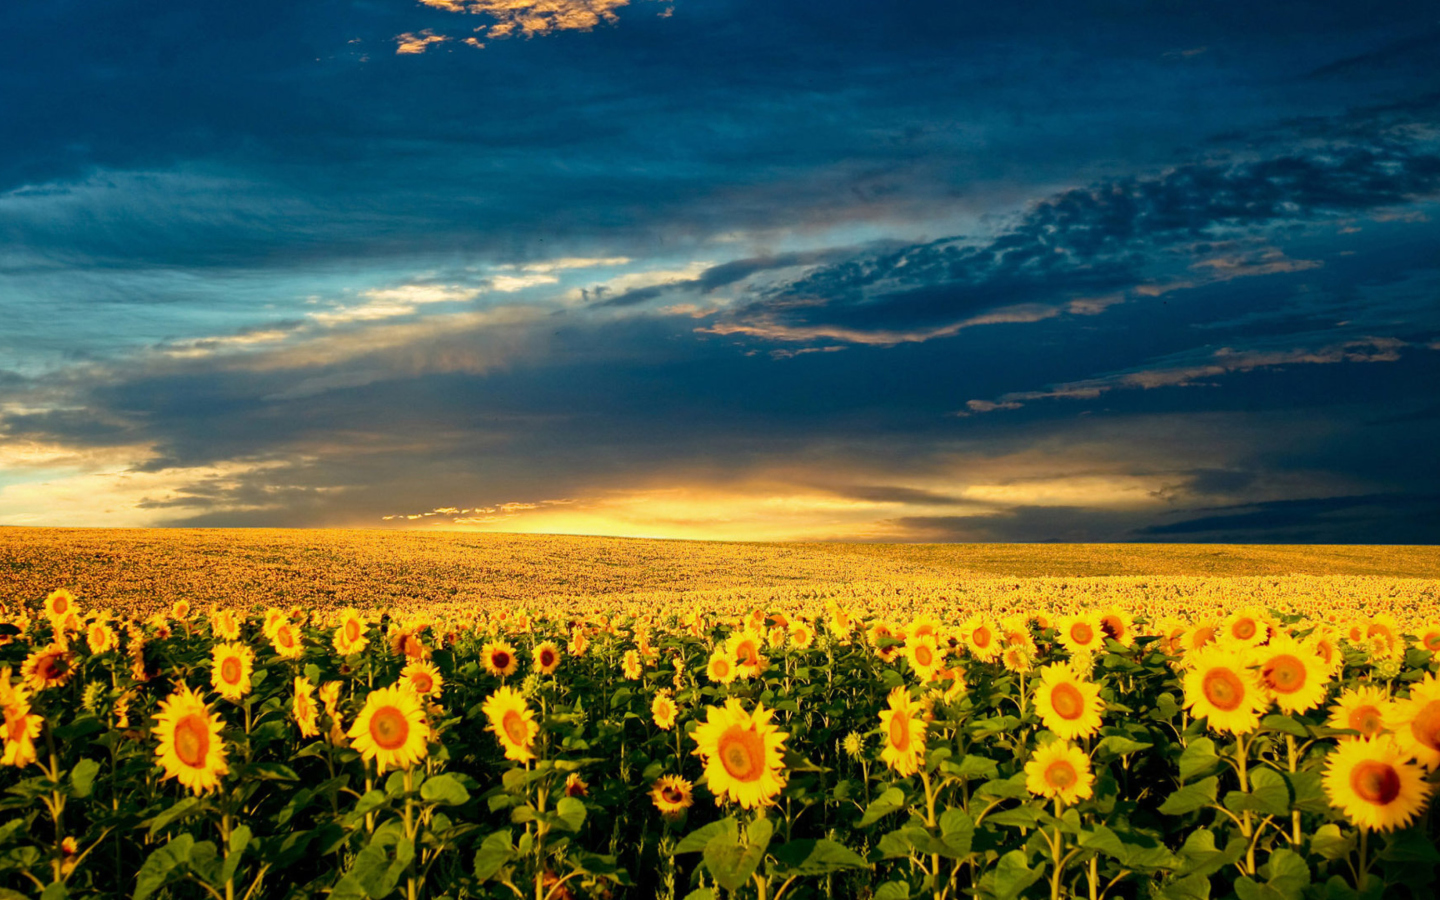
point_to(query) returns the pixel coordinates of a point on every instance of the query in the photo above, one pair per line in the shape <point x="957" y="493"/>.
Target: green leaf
<point x="1139" y="852"/>
<point x="55" y="890"/>
<point x="160" y="864"/>
<point x="239" y="840"/>
<point x="695" y="841"/>
<point x="1191" y="887"/>
<point x="732" y="864"/>
<point x="571" y="812"/>
<point x="972" y="767"/>
<point x="82" y="777"/>
<point x="704" y="893"/>
<point x="447" y="790"/>
<point x="1199" y="757"/>
<point x="1019" y="817"/>
<point x="81" y="726"/>
<point x="312" y="672"/>
<point x="1191" y="797"/>
<point x="1308" y="792"/>
<point x="1116" y="745"/>
<point x="495" y="851"/>
<point x="893" y="890"/>
<point x="1202" y="858"/>
<point x="1013" y="875"/>
<point x="817" y="857"/>
<point x="179" y="810"/>
<point x="1012" y="788"/>
<point x="205" y="861"/>
<point x="1269" y="794"/>
<point x="1284" y="725"/>
<point x="887" y="803"/>
<point x="1287" y="877"/>
<point x="1330" y="842"/>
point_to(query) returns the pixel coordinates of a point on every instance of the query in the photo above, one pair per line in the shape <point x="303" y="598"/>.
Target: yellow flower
<point x="1060" y="770"/>
<point x="330" y="696"/>
<point x="180" y="610"/>
<point x="230" y="669"/>
<point x="1417" y="722"/>
<point x="1068" y="704"/>
<point x="1246" y="627"/>
<point x="802" y="635"/>
<point x="1081" y="632"/>
<point x="273" y="618"/>
<point x="1117" y="625"/>
<point x="1430" y="638"/>
<point x="925" y="658"/>
<point x="743" y="753"/>
<point x="225" y="624"/>
<point x="350" y="633"/>
<point x="101" y="638"/>
<point x="21" y="726"/>
<point x="721" y="668"/>
<point x="904" y="733"/>
<point x="547" y="658"/>
<point x="1199" y="635"/>
<point x="391" y="729"/>
<point x="513" y="723"/>
<point x="672" y="795"/>
<point x="663" y="710"/>
<point x="579" y="643"/>
<point x="744" y="648"/>
<point x="1372" y="781"/>
<point x="981" y="639"/>
<point x="47" y="667"/>
<point x="304" y="707"/>
<point x="1016" y="659"/>
<point x="499" y="659"/>
<point x="286" y="640"/>
<point x="1365" y="709"/>
<point x="59" y="604"/>
<point x="423" y="677"/>
<point x="1220" y="687"/>
<point x="631" y="665"/>
<point x="190" y="749"/>
<point x="1292" y="675"/>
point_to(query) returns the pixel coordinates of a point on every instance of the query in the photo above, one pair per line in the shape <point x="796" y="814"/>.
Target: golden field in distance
<point x="145" y="570"/>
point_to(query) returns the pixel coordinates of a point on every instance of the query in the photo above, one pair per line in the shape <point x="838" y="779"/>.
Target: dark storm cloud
<point x="1368" y="518"/>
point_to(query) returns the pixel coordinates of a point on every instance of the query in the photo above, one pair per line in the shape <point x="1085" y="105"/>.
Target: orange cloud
<point x="532" y="17"/>
<point x="417" y="43"/>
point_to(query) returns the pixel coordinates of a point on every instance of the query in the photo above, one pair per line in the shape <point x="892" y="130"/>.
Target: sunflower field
<point x="814" y="749"/>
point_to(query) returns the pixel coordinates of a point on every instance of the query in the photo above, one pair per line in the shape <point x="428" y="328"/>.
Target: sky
<point x="1112" y="271"/>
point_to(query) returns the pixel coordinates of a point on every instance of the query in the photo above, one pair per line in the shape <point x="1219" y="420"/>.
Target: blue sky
<point x="1120" y="271"/>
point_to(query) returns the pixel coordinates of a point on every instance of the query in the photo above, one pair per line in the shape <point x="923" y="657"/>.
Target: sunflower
<point x="180" y="610"/>
<point x="350" y="633"/>
<point x="575" y="786"/>
<point x="547" y="658"/>
<point x="579" y="643"/>
<point x="47" y="667"/>
<point x="1246" y="627"/>
<point x="802" y="635"/>
<point x="663" y="711"/>
<point x="744" y="648"/>
<point x="1117" y="625"/>
<point x="101" y="638"/>
<point x="904" y="733"/>
<point x="513" y="723"/>
<point x="1325" y="645"/>
<point x="840" y="621"/>
<point x="59" y="604"/>
<point x="1294" y="677"/>
<point x="1199" y="635"/>
<point x="225" y="624"/>
<point x="1220" y="687"/>
<point x="672" y="795"/>
<point x="230" y="668"/>
<point x="273" y="618"/>
<point x="1417" y="722"/>
<point x="391" y="729"/>
<point x="743" y="753"/>
<point x="21" y="726"/>
<point x="304" y="707"/>
<point x="721" y="668"/>
<point x="1069" y="705"/>
<point x="190" y="750"/>
<point x="1016" y="659"/>
<point x="423" y="677"/>
<point x="1365" y="709"/>
<point x="981" y="639"/>
<point x="499" y="658"/>
<point x="1082" y="632"/>
<point x="329" y="694"/>
<point x="925" y="659"/>
<point x="1373" y="782"/>
<point x="286" y="640"/>
<point x="1430" y="638"/>
<point x="1059" y="770"/>
<point x="631" y="666"/>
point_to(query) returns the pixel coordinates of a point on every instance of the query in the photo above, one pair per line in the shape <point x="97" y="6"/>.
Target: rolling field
<point x="353" y="715"/>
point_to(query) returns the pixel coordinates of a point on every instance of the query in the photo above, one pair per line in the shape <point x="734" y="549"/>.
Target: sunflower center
<point x="1375" y="782"/>
<point x="352" y="630"/>
<point x="15" y="725"/>
<point x="747" y="653"/>
<point x="1366" y="720"/>
<point x="982" y="636"/>
<point x="286" y="637"/>
<point x="672" y="794"/>
<point x="1224" y="689"/>
<point x="1061" y="774"/>
<point x="1432" y="641"/>
<point x="515" y="730"/>
<point x="1069" y="703"/>
<point x="230" y="670"/>
<point x="62" y="606"/>
<point x="423" y="682"/>
<point x="1113" y="627"/>
<point x="1244" y="629"/>
<point x="1284" y="673"/>
<point x="1203" y="636"/>
<point x="50" y="667"/>
<point x="1426" y="725"/>
<point x="722" y="667"/>
<point x="900" y="732"/>
<point x="742" y="753"/>
<point x="192" y="740"/>
<point x="1081" y="633"/>
<point x="547" y="658"/>
<point x="500" y="659"/>
<point x="389" y="728"/>
<point x="924" y="655"/>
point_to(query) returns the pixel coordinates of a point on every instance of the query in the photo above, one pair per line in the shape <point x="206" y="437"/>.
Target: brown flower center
<point x="1113" y="627"/>
<point x="192" y="740"/>
<point x="422" y="682"/>
<point x="231" y="670"/>
<point x="389" y="728"/>
<point x="1067" y="700"/>
<point x="982" y="636"/>
<point x="924" y="656"/>
<point x="1061" y="774"/>
<point x="672" y="794"/>
<point x="742" y="753"/>
<point x="352" y="630"/>
<point x="1081" y="633"/>
<point x="1426" y="725"/>
<point x="500" y="660"/>
<point x="900" y="732"/>
<point x="1366" y="720"/>
<point x="1244" y="629"/>
<point x="1375" y="782"/>
<point x="1285" y="674"/>
<point x="515" y="730"/>
<point x="547" y="658"/>
<point x="1224" y="689"/>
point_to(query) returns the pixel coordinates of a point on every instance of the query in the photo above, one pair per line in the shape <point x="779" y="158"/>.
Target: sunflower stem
<point x="1294" y="813"/>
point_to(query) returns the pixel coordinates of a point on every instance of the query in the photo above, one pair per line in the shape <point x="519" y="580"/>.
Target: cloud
<point x="414" y="44"/>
